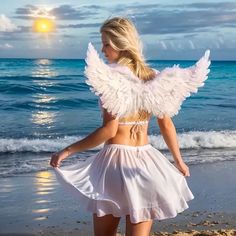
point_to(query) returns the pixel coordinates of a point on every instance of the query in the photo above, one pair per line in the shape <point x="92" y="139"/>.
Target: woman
<point x="128" y="177"/>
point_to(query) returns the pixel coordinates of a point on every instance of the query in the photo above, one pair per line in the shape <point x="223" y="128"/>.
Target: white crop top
<point x="136" y="125"/>
<point x="141" y="122"/>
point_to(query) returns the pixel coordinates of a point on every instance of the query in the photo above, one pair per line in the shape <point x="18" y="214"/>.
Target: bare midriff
<point x="123" y="136"/>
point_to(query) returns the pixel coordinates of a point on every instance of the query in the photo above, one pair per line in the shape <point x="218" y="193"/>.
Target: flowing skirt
<point x="126" y="180"/>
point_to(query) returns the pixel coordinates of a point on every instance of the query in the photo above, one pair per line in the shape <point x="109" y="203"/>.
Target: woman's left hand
<point x="183" y="168"/>
<point x="57" y="157"/>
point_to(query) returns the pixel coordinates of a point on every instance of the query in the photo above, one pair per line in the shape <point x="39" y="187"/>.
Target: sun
<point x="43" y="25"/>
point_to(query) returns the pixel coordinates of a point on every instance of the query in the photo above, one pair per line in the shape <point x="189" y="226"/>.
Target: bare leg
<point x="105" y="225"/>
<point x="139" y="229"/>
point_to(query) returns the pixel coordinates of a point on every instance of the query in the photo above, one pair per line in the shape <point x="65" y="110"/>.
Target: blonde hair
<point x="123" y="37"/>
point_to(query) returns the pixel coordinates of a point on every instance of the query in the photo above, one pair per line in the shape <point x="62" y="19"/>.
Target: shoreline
<point x="35" y="204"/>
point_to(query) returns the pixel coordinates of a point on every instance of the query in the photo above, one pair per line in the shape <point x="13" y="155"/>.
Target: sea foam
<point x="188" y="140"/>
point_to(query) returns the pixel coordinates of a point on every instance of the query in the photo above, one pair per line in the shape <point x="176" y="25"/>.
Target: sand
<point x="34" y="204"/>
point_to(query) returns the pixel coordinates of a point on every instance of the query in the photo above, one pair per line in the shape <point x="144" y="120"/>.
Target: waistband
<point x="128" y="147"/>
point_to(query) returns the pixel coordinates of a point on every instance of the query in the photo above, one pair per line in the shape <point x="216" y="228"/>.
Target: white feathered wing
<point x="117" y="87"/>
<point x="122" y="93"/>
<point x="165" y="94"/>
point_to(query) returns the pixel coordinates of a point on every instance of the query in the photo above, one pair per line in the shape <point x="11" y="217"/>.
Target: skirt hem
<point x="142" y="219"/>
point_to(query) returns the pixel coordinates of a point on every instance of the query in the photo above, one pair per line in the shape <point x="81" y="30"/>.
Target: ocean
<point x="45" y="105"/>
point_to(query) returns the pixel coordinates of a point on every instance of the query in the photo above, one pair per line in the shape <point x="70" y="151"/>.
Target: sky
<point x="169" y="30"/>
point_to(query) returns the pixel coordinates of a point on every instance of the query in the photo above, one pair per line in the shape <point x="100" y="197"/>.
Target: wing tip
<point x="91" y="54"/>
<point x="90" y="47"/>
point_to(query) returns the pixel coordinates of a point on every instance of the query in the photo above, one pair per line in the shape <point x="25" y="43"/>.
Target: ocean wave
<point x="20" y="89"/>
<point x="24" y="156"/>
<point x="22" y="166"/>
<point x="43" y="86"/>
<point x="200" y="139"/>
<point x="188" y="140"/>
<point x="18" y="164"/>
<point x="47" y="103"/>
<point x="12" y="77"/>
<point x="35" y="145"/>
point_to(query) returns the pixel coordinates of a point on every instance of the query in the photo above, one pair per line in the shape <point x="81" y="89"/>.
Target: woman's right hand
<point x="183" y="168"/>
<point x="57" y="157"/>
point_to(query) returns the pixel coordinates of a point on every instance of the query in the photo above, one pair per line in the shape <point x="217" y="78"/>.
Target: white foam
<point x="196" y="147"/>
<point x="189" y="140"/>
<point x="35" y="145"/>
<point x="199" y="139"/>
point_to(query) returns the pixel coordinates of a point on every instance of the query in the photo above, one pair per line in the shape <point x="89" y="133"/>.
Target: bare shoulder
<point x="165" y="121"/>
<point x="108" y="118"/>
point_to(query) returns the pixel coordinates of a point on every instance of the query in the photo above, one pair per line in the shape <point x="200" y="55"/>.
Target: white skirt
<point x="126" y="180"/>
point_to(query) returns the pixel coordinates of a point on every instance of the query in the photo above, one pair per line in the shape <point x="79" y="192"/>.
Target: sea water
<point x="46" y="105"/>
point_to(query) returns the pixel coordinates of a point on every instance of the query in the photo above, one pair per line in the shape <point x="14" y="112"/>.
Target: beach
<point x="35" y="204"/>
<point x="46" y="105"/>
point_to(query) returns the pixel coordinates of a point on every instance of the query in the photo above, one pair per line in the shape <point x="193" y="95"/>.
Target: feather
<point x="123" y="94"/>
<point x="116" y="86"/>
<point x="174" y="85"/>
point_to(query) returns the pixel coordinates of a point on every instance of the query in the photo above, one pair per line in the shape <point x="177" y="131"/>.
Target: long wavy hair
<point x="123" y="37"/>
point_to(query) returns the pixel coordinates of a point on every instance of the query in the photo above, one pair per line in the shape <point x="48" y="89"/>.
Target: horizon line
<point x="40" y="58"/>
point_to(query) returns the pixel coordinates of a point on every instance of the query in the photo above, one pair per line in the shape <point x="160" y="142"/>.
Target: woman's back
<point x="131" y="131"/>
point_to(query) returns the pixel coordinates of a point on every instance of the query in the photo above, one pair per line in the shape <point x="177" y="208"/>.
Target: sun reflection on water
<point x="43" y="100"/>
<point x="44" y="186"/>
<point x="43" y="117"/>
<point x="44" y="210"/>
<point x="44" y="68"/>
<point x="44" y="62"/>
<point x="42" y="181"/>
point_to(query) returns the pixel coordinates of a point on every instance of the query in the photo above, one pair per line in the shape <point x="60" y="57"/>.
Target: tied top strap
<point x="137" y="127"/>
<point x="140" y="122"/>
<point x="135" y="130"/>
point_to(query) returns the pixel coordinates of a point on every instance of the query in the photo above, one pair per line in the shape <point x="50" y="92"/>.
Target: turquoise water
<point x="45" y="104"/>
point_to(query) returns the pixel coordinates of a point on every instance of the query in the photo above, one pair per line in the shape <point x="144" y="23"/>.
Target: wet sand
<point x="35" y="204"/>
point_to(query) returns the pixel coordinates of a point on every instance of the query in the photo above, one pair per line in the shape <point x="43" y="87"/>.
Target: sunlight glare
<point x="43" y="25"/>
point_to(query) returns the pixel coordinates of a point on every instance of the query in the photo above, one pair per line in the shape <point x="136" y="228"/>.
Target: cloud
<point x="6" y="46"/>
<point x="31" y="11"/>
<point x="67" y="12"/>
<point x="24" y="12"/>
<point x="213" y="5"/>
<point x="181" y="18"/>
<point x="192" y="46"/>
<point x="6" y="25"/>
<point x="149" y="18"/>
<point x="80" y="25"/>
<point x="173" y="27"/>
<point x="163" y="45"/>
<point x="63" y="12"/>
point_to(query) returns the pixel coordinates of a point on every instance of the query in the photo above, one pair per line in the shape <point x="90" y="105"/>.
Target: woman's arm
<point x="168" y="132"/>
<point x="99" y="136"/>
